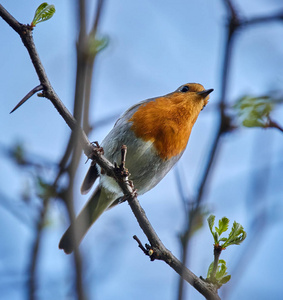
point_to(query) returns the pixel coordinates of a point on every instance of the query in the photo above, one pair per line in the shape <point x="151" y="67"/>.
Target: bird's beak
<point x="205" y="92"/>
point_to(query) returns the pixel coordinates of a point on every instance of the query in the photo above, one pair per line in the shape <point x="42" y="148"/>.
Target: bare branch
<point x="273" y="124"/>
<point x="264" y="19"/>
<point x="35" y="250"/>
<point x="10" y="20"/>
<point x="145" y="251"/>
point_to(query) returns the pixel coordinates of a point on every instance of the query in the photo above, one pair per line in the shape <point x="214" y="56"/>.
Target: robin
<point x="156" y="132"/>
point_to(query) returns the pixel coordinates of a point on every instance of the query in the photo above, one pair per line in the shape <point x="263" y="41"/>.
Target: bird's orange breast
<point x="167" y="122"/>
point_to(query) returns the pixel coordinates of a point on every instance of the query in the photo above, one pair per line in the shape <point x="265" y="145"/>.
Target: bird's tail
<point x="96" y="205"/>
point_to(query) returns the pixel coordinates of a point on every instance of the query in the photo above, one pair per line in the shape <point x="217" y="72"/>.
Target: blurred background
<point x="151" y="48"/>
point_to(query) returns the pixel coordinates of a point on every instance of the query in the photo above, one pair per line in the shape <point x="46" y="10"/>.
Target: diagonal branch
<point x="17" y="26"/>
<point x="273" y="124"/>
<point x="206" y="289"/>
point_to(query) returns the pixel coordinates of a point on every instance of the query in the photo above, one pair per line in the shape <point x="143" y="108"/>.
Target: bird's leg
<point x="123" y="173"/>
<point x="121" y="170"/>
<point x="124" y="170"/>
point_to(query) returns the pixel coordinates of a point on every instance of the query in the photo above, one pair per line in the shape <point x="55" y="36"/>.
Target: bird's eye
<point x="184" y="89"/>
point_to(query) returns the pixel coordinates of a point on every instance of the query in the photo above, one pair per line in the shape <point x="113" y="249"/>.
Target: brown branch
<point x="10" y="20"/>
<point x="84" y="76"/>
<point x="97" y="17"/>
<point x="263" y="19"/>
<point x="25" y="33"/>
<point x="206" y="289"/>
<point x="90" y="150"/>
<point x="35" y="250"/>
<point x="273" y="124"/>
<point x="82" y="98"/>
<point x="145" y="251"/>
<point x="91" y="56"/>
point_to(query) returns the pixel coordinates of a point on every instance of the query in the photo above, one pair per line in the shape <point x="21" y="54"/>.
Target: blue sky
<point x="154" y="47"/>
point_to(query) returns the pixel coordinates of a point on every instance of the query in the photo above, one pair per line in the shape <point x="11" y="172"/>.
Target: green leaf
<point x="216" y="237"/>
<point x="222" y="225"/>
<point x="222" y="269"/>
<point x="209" y="271"/>
<point x="223" y="239"/>
<point x="236" y="236"/>
<point x="221" y="277"/>
<point x="43" y="13"/>
<point x="254" y="111"/>
<point x="96" y="45"/>
<point x="210" y="221"/>
<point x="253" y="123"/>
<point x="225" y="279"/>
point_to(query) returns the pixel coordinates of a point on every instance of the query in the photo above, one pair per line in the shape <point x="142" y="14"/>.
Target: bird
<point x="156" y="132"/>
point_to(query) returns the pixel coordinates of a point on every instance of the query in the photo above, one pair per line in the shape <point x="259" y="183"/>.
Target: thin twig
<point x="97" y="17"/>
<point x="273" y="124"/>
<point x="90" y="68"/>
<point x="35" y="251"/>
<point x="263" y="19"/>
<point x="145" y="251"/>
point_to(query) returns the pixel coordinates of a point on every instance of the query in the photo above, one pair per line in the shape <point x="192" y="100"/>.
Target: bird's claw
<point x="98" y="147"/>
<point x="121" y="171"/>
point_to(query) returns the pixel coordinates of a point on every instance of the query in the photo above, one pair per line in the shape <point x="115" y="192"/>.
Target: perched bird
<point x="156" y="132"/>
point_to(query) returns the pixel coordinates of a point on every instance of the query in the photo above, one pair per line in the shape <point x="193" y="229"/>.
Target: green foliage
<point x="236" y="236"/>
<point x="96" y="45"/>
<point x="45" y="190"/>
<point x="43" y="13"/>
<point x="254" y="111"/>
<point x="217" y="271"/>
<point x="222" y="225"/>
<point x="221" y="276"/>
